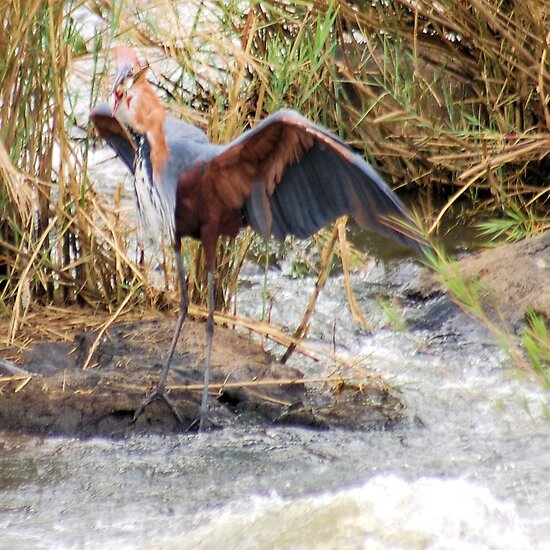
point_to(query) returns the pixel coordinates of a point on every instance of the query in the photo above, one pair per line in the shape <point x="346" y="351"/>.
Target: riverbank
<point x="53" y="394"/>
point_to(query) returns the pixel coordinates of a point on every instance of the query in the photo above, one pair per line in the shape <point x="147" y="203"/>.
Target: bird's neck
<point x="148" y="119"/>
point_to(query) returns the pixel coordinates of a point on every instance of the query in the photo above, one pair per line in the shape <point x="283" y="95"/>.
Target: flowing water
<point x="469" y="468"/>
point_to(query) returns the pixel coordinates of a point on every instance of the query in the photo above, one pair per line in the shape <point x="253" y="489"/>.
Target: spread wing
<point x="292" y="177"/>
<point x="110" y="129"/>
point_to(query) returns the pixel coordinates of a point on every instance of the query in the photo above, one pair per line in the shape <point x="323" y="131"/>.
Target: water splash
<point x="385" y="512"/>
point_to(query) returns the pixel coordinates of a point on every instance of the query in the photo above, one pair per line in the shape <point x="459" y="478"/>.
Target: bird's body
<point x="287" y="176"/>
<point x="156" y="197"/>
<point x="288" y="198"/>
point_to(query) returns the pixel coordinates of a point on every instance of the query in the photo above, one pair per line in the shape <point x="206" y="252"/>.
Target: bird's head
<point x="129" y="83"/>
<point x="135" y="104"/>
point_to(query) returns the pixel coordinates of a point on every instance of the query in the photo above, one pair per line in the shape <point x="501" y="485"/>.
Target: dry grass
<point x="453" y="97"/>
<point x="57" y="244"/>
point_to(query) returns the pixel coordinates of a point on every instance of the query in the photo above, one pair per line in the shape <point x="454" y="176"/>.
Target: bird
<point x="286" y="176"/>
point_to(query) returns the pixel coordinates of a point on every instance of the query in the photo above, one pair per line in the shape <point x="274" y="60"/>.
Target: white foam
<point x="385" y="512"/>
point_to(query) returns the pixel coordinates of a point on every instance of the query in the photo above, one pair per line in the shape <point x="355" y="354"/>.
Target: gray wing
<point x="294" y="177"/>
<point x="110" y="129"/>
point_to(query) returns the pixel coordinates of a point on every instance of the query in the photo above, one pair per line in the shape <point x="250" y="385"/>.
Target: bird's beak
<point x="125" y="79"/>
<point x="118" y="86"/>
<point x="121" y="77"/>
<point x="117" y="103"/>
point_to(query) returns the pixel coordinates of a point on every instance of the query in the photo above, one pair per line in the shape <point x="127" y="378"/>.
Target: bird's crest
<point x="126" y="56"/>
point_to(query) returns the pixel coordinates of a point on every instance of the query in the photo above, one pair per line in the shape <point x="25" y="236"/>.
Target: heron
<point x="286" y="176"/>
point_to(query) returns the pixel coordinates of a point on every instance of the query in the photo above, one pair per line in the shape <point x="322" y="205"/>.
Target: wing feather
<point x="294" y="177"/>
<point x="110" y="129"/>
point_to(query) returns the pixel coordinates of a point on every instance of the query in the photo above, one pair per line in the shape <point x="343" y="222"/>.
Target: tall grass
<point x="53" y="246"/>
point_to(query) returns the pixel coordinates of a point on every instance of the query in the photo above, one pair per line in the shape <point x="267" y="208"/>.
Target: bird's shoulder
<point x="177" y="131"/>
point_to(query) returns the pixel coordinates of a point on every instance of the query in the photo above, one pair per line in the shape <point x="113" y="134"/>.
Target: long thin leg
<point x="160" y="390"/>
<point x="203" y="411"/>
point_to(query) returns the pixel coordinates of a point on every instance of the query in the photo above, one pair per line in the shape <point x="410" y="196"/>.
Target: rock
<point x="517" y="276"/>
<point x="62" y="398"/>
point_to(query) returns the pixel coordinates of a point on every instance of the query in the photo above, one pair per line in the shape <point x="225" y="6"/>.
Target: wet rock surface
<point x="516" y="275"/>
<point x="60" y="397"/>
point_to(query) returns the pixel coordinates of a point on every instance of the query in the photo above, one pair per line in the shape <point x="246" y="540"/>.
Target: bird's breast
<point x="154" y="204"/>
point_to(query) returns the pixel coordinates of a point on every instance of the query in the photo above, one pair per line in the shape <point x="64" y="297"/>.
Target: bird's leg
<point x="203" y="411"/>
<point x="160" y="390"/>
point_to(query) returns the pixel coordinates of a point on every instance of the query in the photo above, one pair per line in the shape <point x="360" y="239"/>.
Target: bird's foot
<point x="202" y="421"/>
<point x="158" y="393"/>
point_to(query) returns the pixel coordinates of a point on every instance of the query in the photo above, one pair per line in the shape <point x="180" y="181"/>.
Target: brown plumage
<point x="287" y="176"/>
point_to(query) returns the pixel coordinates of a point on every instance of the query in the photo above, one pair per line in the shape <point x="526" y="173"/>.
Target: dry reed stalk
<point x="356" y="312"/>
<point x="260" y="383"/>
<point x="14" y="378"/>
<point x="19" y="193"/>
<point x="103" y="328"/>
<point x="276" y="334"/>
<point x="277" y="382"/>
<point x="324" y="271"/>
<point x="19" y="307"/>
<point x="22" y="379"/>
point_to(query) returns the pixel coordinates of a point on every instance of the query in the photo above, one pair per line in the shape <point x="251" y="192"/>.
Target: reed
<point x="536" y="342"/>
<point x="58" y="244"/>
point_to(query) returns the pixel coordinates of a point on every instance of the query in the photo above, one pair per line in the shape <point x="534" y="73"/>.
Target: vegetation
<point x="449" y="100"/>
<point x="57" y="244"/>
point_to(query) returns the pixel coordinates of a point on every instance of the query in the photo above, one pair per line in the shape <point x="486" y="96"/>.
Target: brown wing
<point x="292" y="177"/>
